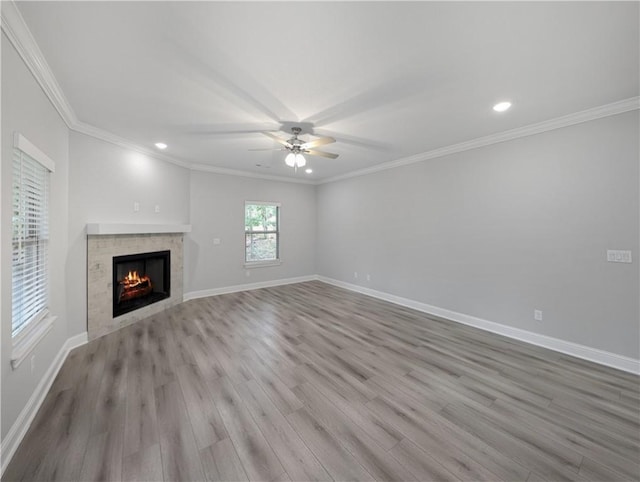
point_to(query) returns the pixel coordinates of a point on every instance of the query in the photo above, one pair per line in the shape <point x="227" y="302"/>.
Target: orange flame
<point x="134" y="286"/>
<point x="133" y="279"/>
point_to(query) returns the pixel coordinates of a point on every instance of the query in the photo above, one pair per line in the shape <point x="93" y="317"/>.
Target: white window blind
<point x="30" y="220"/>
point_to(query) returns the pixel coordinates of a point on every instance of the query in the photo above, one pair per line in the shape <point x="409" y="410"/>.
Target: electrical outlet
<point x="157" y="208"/>
<point x="355" y="274"/>
<point x="368" y="277"/>
<point x="247" y="273"/>
<point x="136" y="207"/>
<point x="537" y="315"/>
<point x="216" y="241"/>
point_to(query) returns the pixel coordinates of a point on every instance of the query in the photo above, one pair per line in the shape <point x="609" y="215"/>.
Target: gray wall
<point x="27" y="110"/>
<point x="105" y="180"/>
<point x="217" y="211"/>
<point x="500" y="231"/>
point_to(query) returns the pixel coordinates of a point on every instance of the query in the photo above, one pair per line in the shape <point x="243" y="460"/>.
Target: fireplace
<point x="140" y="280"/>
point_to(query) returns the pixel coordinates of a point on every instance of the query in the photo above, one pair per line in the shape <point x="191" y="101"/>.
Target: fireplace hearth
<point x="140" y="280"/>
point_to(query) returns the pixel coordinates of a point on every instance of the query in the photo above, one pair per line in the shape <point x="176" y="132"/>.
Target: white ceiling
<point x="386" y="79"/>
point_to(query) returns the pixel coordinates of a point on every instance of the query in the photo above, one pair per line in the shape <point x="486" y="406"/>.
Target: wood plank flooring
<point x="311" y="382"/>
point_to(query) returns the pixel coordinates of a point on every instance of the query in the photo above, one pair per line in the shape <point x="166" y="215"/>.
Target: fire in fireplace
<point x="133" y="286"/>
<point x="139" y="280"/>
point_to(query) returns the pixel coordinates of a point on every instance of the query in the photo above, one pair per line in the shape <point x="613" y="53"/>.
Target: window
<point x="30" y="246"/>
<point x="261" y="233"/>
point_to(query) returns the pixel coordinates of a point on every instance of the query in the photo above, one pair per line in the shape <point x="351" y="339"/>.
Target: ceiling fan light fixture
<point x="295" y="160"/>
<point x="290" y="160"/>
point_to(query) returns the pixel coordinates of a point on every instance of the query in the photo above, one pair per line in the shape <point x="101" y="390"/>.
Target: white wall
<point x="105" y="181"/>
<point x="217" y="211"/>
<point x="500" y="231"/>
<point x="27" y="110"/>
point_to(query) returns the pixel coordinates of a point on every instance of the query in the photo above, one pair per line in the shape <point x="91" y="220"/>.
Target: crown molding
<point x="16" y="30"/>
<point x="104" y="135"/>
<point x="587" y="115"/>
<point x="18" y="33"/>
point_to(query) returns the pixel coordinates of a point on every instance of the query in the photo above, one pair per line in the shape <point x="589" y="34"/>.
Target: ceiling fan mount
<point x="295" y="142"/>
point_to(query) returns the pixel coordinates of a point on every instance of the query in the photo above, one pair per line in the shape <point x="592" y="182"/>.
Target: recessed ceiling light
<point x="308" y="171"/>
<point x="502" y="106"/>
<point x="161" y="145"/>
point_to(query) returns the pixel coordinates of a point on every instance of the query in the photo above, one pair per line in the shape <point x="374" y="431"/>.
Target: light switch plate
<point x="618" y="256"/>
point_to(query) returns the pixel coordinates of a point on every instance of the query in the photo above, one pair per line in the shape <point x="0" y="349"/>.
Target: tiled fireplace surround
<point x="101" y="248"/>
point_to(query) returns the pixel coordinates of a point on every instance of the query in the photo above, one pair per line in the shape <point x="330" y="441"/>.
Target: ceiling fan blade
<point x="268" y="149"/>
<point x="330" y="155"/>
<point x="277" y="139"/>
<point x="317" y="142"/>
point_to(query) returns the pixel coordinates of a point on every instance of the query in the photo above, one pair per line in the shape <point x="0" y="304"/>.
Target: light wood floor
<point x="311" y="382"/>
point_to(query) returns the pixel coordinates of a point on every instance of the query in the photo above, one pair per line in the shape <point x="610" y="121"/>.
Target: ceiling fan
<point x="297" y="147"/>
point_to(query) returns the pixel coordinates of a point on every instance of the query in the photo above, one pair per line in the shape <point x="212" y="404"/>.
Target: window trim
<point x="22" y="143"/>
<point x="23" y="342"/>
<point x="27" y="339"/>
<point x="268" y="262"/>
<point x="262" y="264"/>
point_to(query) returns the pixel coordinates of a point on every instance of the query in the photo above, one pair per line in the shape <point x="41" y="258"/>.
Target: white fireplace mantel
<point x="104" y="229"/>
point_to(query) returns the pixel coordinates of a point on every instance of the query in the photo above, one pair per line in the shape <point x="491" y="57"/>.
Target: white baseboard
<point x="595" y="355"/>
<point x="246" y="287"/>
<point x="15" y="435"/>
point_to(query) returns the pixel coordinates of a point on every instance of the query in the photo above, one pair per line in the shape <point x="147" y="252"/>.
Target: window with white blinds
<point x="30" y="239"/>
